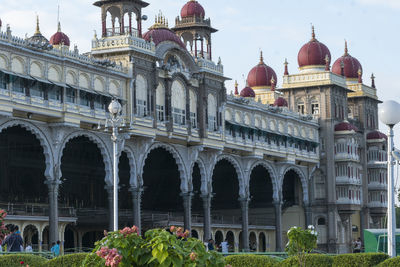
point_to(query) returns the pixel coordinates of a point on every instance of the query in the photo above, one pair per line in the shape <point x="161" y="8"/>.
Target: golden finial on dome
<point x="160" y="21"/>
<point x="312" y="32"/>
<point x="37" y="25"/>
<point x="261" y="57"/>
<point x="346" y="51"/>
<point x="236" y="83"/>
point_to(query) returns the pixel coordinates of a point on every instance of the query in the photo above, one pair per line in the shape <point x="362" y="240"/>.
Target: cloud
<point x="386" y="3"/>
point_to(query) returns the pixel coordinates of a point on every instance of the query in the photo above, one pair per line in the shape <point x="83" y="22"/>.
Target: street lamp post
<point x="115" y="122"/>
<point x="389" y="114"/>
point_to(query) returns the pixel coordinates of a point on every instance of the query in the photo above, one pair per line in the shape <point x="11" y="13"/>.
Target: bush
<point x="18" y="260"/>
<point x="250" y="261"/>
<point x="76" y="260"/>
<point x="312" y="260"/>
<point x="359" y="259"/>
<point x="393" y="262"/>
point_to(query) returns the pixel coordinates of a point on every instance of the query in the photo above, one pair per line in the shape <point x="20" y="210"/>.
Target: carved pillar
<point x="244" y="204"/>
<point x="207" y="216"/>
<point x="113" y="24"/>
<point x="187" y="209"/>
<point x="139" y="23"/>
<point x="110" y="207"/>
<point x="130" y="23"/>
<point x="137" y="199"/>
<point x="202" y="47"/>
<point x="195" y="47"/>
<point x="104" y="22"/>
<point x="122" y="24"/>
<point x="278" y="226"/>
<point x="53" y="186"/>
<point x="308" y="214"/>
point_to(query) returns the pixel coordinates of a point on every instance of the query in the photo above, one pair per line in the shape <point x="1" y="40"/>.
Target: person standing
<point x="14" y="241"/>
<point x="225" y="246"/>
<point x="55" y="249"/>
<point x="29" y="248"/>
<point x="210" y="245"/>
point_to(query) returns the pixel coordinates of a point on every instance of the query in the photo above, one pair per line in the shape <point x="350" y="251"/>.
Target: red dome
<point x="280" y="102"/>
<point x="192" y="8"/>
<point x="59" y="38"/>
<point x="376" y="135"/>
<point x="160" y="35"/>
<point x="261" y="75"/>
<point x="313" y="53"/>
<point x="345" y="126"/>
<point x="247" y="92"/>
<point x="351" y="65"/>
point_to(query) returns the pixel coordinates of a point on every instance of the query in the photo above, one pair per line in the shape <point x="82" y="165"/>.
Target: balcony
<point x="377" y="186"/>
<point x="347" y="157"/>
<point x="345" y="180"/>
<point x="35" y="209"/>
<point x="377" y="157"/>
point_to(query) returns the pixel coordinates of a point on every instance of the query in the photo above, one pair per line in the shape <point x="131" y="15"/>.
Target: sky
<point x="278" y="28"/>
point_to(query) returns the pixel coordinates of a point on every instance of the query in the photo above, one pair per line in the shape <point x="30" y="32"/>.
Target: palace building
<point x="244" y="166"/>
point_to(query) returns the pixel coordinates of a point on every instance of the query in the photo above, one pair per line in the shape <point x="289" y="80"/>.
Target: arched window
<point x="212" y="113"/>
<point x="193" y="108"/>
<point x="141" y="96"/>
<point x="178" y="103"/>
<point x="160" y="102"/>
<point x="315" y="107"/>
<point x="300" y="106"/>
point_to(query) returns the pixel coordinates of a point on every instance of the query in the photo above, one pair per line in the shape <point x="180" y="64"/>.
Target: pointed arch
<point x="133" y="181"/>
<point x="178" y="159"/>
<point x="204" y="182"/>
<point x="303" y="180"/>
<point x="238" y="169"/>
<point x="44" y="142"/>
<point x="272" y="174"/>
<point x="101" y="146"/>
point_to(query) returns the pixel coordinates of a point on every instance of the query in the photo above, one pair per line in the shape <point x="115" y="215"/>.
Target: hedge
<point x="18" y="260"/>
<point x="248" y="260"/>
<point x="359" y="260"/>
<point x="76" y="260"/>
<point x="393" y="262"/>
<point x="312" y="260"/>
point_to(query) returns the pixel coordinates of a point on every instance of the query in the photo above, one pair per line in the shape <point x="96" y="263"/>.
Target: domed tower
<point x="195" y="29"/>
<point x="314" y="56"/>
<point x="37" y="38"/>
<point x="121" y="12"/>
<point x="59" y="39"/>
<point x="348" y="66"/>
<point x="262" y="79"/>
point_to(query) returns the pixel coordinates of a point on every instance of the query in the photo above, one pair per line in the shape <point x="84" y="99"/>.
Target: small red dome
<point x="313" y="53"/>
<point x="59" y="38"/>
<point x="192" y="9"/>
<point x="351" y="65"/>
<point x="160" y="35"/>
<point x="376" y="135"/>
<point x="280" y="102"/>
<point x="247" y="92"/>
<point x="261" y="75"/>
<point x="345" y="126"/>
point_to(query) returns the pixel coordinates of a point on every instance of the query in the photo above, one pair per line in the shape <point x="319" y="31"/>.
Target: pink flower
<point x="127" y="231"/>
<point x="110" y="255"/>
<point x="172" y="229"/>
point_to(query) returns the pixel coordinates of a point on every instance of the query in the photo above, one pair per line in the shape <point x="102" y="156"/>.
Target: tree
<point x="301" y="242"/>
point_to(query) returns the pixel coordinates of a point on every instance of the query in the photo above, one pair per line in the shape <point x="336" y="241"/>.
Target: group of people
<point x="14" y="243"/>
<point x="357" y="245"/>
<point x="223" y="247"/>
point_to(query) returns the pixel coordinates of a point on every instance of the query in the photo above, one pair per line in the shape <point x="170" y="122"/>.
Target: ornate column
<point x="244" y="204"/>
<point x="122" y="24"/>
<point x="187" y="209"/>
<point x="53" y="186"/>
<point x="308" y="214"/>
<point x="104" y="22"/>
<point x="110" y="207"/>
<point x="278" y="225"/>
<point x="130" y="23"/>
<point x="207" y="216"/>
<point x="137" y="199"/>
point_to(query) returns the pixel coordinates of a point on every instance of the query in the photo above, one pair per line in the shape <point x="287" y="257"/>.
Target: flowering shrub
<point x="301" y="242"/>
<point x="3" y="229"/>
<point x="158" y="248"/>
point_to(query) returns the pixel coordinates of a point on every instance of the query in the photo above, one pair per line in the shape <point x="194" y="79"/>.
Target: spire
<point x="160" y="21"/>
<point x="236" y="88"/>
<point x="313" y="33"/>
<point x="59" y="27"/>
<point x="373" y="81"/>
<point x="327" y="60"/>
<point x="359" y="72"/>
<point x="37" y="25"/>
<point x="261" y="57"/>
<point x="286" y="67"/>
<point x="346" y="51"/>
